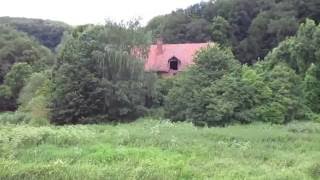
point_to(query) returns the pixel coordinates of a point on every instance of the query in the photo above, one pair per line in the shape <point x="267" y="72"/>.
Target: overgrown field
<point x="149" y="149"/>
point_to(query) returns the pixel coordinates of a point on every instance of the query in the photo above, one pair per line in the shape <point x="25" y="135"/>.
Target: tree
<point x="285" y="104"/>
<point x="17" y="77"/>
<point x="311" y="88"/>
<point x="19" y="55"/>
<point x="187" y="100"/>
<point x="198" y="31"/>
<point x="221" y="31"/>
<point x="300" y="51"/>
<point x="7" y="102"/>
<point x="13" y="83"/>
<point x="266" y="31"/>
<point x="99" y="76"/>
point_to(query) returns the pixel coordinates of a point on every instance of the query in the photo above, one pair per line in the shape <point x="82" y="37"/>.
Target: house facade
<point x="170" y="59"/>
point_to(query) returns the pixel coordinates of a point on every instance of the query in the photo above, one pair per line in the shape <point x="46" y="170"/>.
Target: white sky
<point x="77" y="12"/>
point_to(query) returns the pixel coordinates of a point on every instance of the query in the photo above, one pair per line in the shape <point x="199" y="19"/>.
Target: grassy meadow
<point x="150" y="149"/>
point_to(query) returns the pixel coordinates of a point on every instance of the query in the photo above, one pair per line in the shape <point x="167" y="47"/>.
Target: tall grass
<point x="150" y="149"/>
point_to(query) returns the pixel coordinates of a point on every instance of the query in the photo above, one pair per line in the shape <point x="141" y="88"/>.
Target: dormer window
<point x="174" y="64"/>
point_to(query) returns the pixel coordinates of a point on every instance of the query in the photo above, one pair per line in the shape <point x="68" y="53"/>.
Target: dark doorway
<point x="174" y="64"/>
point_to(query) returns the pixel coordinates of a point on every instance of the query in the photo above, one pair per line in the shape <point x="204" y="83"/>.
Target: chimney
<point x="159" y="46"/>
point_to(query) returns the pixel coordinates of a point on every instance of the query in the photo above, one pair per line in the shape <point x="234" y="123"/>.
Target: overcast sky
<point x="77" y="12"/>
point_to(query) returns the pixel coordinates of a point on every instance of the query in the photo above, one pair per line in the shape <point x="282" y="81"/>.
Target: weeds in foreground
<point x="150" y="149"/>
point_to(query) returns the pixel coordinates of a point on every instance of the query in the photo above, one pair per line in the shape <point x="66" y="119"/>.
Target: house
<point x="170" y="59"/>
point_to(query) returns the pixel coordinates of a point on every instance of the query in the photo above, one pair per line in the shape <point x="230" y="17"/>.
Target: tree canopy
<point x="98" y="78"/>
<point x="218" y="91"/>
<point x="48" y="33"/>
<point x="251" y="27"/>
<point x="19" y="57"/>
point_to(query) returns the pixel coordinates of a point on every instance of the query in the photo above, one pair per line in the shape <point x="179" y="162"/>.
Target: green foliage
<point x="17" y="47"/>
<point x="38" y="84"/>
<point x="15" y="118"/>
<point x="99" y="76"/>
<point x="187" y="99"/>
<point x="267" y="29"/>
<point x="251" y="27"/>
<point x="162" y="88"/>
<point x="19" y="57"/>
<point x="5" y="91"/>
<point x="285" y="103"/>
<point x="221" y="31"/>
<point x="13" y="83"/>
<point x="227" y="100"/>
<point x="214" y="62"/>
<point x="152" y="149"/>
<point x="311" y="87"/>
<point x="17" y="77"/>
<point x="218" y="91"/>
<point x="179" y="27"/>
<point x="7" y="102"/>
<point x="35" y="97"/>
<point x="314" y="171"/>
<point x="48" y="33"/>
<point x="300" y="51"/>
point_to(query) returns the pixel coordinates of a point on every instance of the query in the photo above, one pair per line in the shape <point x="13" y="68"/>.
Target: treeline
<point x="251" y="27"/>
<point x="96" y="75"/>
<point x="218" y="90"/>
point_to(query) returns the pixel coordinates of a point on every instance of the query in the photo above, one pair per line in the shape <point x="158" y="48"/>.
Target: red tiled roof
<point x="158" y="61"/>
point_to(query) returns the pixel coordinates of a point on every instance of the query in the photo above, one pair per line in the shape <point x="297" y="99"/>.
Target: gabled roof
<point x="158" y="59"/>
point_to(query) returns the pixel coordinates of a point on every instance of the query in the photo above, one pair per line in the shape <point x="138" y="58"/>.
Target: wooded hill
<point x="47" y="32"/>
<point x="251" y="27"/>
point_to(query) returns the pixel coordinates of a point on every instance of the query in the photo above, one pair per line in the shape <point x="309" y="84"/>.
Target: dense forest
<point x="264" y="66"/>
<point x="48" y="33"/>
<point x="251" y="27"/>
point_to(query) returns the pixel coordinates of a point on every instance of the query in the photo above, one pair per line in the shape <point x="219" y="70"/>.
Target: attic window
<point x="174" y="64"/>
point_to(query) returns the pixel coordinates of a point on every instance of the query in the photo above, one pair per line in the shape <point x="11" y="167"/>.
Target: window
<point x="174" y="64"/>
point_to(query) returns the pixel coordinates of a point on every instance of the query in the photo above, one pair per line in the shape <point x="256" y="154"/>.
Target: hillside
<point x="47" y="32"/>
<point x="251" y="27"/>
